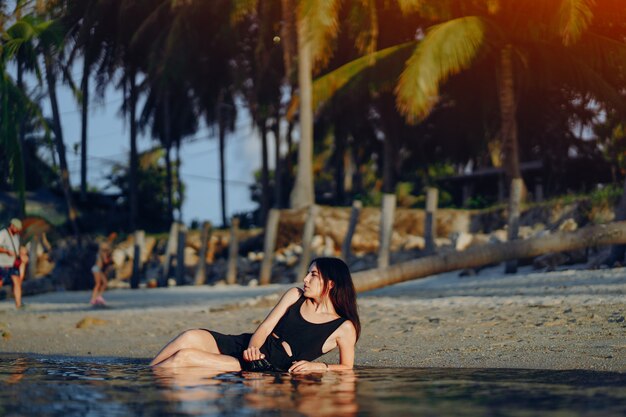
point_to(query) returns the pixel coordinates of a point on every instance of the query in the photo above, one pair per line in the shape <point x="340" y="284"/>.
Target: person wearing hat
<point x="13" y="259"/>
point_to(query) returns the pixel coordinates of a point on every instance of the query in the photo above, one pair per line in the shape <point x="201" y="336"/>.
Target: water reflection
<point x="327" y="394"/>
<point x="52" y="386"/>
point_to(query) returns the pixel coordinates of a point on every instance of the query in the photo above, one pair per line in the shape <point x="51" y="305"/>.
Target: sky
<point x="108" y="142"/>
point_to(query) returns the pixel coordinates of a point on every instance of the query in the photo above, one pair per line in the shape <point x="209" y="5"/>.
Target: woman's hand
<point x="306" y="366"/>
<point x="252" y="354"/>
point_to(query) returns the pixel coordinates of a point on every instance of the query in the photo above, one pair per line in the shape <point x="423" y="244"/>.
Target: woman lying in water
<point x="305" y="324"/>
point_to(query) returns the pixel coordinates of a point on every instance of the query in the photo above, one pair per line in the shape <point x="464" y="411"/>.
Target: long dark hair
<point x="342" y="294"/>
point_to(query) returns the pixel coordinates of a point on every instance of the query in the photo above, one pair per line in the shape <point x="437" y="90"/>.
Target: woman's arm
<point x="346" y="341"/>
<point x="253" y="353"/>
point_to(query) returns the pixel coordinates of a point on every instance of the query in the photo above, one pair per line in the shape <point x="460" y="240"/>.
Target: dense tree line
<point x="360" y="97"/>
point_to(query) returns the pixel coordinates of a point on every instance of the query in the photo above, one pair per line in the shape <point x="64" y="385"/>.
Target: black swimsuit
<point x="306" y="339"/>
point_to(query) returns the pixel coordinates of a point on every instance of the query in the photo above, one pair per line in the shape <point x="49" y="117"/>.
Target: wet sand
<point x="569" y="319"/>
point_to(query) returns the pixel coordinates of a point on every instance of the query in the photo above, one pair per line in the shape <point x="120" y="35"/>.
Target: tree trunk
<point x="303" y="194"/>
<point x="167" y="141"/>
<point x="179" y="183"/>
<point x="22" y="148"/>
<point x="265" y="182"/>
<point x="84" y="86"/>
<point x="601" y="235"/>
<point x="60" y="146"/>
<point x="508" y="117"/>
<point x="133" y="197"/>
<point x="618" y="251"/>
<point x="508" y="132"/>
<point x="278" y="165"/>
<point x="222" y="139"/>
<point x="168" y="182"/>
<point x="289" y="165"/>
<point x="341" y="136"/>
<point x="288" y="36"/>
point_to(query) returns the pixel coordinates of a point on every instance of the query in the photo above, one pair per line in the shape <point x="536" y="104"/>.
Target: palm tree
<point x="316" y="27"/>
<point x="513" y="36"/>
<point x="32" y="36"/>
<point x="89" y="24"/>
<point x="211" y="71"/>
<point x="260" y="68"/>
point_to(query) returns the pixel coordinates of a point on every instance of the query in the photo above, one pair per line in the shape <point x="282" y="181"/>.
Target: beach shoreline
<point x="568" y="319"/>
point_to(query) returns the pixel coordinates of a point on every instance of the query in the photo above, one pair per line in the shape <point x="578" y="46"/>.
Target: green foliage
<point x="574" y="18"/>
<point x="447" y="49"/>
<point x="477" y="202"/>
<point x="404" y="194"/>
<point x="606" y="196"/>
<point x="326" y="86"/>
<point x="152" y="189"/>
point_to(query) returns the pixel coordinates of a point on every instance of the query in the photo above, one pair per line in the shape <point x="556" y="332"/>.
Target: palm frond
<point x="149" y="23"/>
<point x="576" y="73"/>
<point x="367" y="31"/>
<point x="325" y="87"/>
<point x="447" y="49"/>
<point x="574" y="17"/>
<point x="434" y="10"/>
<point x="605" y="55"/>
<point x="322" y="27"/>
<point x="242" y="8"/>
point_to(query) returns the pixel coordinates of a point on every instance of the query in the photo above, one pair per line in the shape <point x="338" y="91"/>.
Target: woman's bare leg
<point x="96" y="287"/>
<point x="194" y="357"/>
<point x="191" y="339"/>
<point x="17" y="290"/>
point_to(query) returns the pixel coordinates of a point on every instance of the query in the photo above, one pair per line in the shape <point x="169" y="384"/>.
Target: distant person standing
<point x="103" y="262"/>
<point x="13" y="259"/>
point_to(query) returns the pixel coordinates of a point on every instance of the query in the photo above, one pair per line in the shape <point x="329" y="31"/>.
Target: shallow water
<point x="60" y="386"/>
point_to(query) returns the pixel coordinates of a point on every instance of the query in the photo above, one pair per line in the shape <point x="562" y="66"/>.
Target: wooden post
<point x="138" y="250"/>
<point x="513" y="224"/>
<point x="307" y="238"/>
<point x="430" y="222"/>
<point x="233" y="250"/>
<point x="31" y="268"/>
<point x="467" y="194"/>
<point x="170" y="249"/>
<point x="354" y="219"/>
<point x="386" y="228"/>
<point x="271" y="230"/>
<point x="539" y="192"/>
<point x="501" y="189"/>
<point x="200" y="278"/>
<point x="180" y="255"/>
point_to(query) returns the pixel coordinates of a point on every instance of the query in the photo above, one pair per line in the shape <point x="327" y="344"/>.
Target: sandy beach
<point x="568" y="319"/>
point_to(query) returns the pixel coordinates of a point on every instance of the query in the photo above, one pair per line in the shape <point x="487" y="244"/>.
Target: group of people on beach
<point x="14" y="259"/>
<point x="305" y="324"/>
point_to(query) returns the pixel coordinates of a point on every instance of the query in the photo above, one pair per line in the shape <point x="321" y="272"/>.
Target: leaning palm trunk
<point x="60" y="146"/>
<point x="601" y="235"/>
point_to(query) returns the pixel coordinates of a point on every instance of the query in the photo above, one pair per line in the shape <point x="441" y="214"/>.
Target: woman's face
<point x="313" y="283"/>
